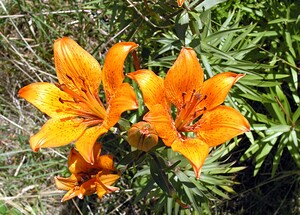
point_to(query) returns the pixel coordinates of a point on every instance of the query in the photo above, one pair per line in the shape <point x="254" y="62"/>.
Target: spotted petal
<point x="57" y="132"/>
<point x="163" y="123"/>
<point x="216" y="89"/>
<point x="113" y="74"/>
<point x="184" y="78"/>
<point x="75" y="67"/>
<point x="195" y="150"/>
<point x="49" y="99"/>
<point x="221" y="124"/>
<point x="152" y="87"/>
<point x="86" y="142"/>
<point x="124" y="99"/>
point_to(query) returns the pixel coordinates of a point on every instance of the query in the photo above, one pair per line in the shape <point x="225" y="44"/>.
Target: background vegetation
<point x="257" y="173"/>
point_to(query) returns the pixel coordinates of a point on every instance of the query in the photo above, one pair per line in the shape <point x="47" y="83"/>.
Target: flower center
<point x="91" y="108"/>
<point x="189" y="110"/>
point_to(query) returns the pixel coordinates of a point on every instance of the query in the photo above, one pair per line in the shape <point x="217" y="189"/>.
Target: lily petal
<point x="57" y="132"/>
<point x="76" y="162"/>
<point x="85" y="142"/>
<point x="65" y="183"/>
<point x="152" y="87"/>
<point x="49" y="99"/>
<point x="75" y="67"/>
<point x="184" y="78"/>
<point x="221" y="124"/>
<point x="106" y="162"/>
<point x="113" y="74"/>
<point x="105" y="181"/>
<point x="216" y="89"/>
<point x="124" y="99"/>
<point x="163" y="123"/>
<point x="195" y="150"/>
<point x="76" y="191"/>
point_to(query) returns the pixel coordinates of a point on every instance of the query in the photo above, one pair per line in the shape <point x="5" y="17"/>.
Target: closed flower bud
<point x="142" y="136"/>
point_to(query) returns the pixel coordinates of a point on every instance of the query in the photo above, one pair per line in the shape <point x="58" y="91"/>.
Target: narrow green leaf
<point x="296" y="115"/>
<point x="145" y="191"/>
<point x="263" y="153"/>
<point x="279" y="128"/>
<point x="288" y="40"/>
<point x="276" y="160"/>
<point x="294" y="151"/>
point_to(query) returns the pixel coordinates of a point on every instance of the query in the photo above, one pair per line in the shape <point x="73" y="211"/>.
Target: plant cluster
<point x="148" y="124"/>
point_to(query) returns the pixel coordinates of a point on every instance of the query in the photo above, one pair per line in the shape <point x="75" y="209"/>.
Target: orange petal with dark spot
<point x="195" y="150"/>
<point x="163" y="123"/>
<point x="124" y="99"/>
<point x="49" y="99"/>
<point x="75" y="67"/>
<point x="85" y="143"/>
<point x="105" y="162"/>
<point x="216" y="89"/>
<point x="221" y="124"/>
<point x="113" y="74"/>
<point x="57" y="132"/>
<point x="184" y="78"/>
<point x="152" y="87"/>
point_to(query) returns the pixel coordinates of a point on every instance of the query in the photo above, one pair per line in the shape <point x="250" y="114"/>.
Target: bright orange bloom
<point x="75" y="110"/>
<point x="87" y="179"/>
<point x="201" y="121"/>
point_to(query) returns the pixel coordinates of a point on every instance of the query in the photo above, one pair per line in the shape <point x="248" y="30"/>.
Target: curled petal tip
<point x="197" y="172"/>
<point x="238" y="77"/>
<point x="34" y="146"/>
<point x="180" y="2"/>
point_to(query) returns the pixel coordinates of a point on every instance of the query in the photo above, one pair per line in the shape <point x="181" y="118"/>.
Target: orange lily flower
<point x="201" y="121"/>
<point x="87" y="179"/>
<point x="74" y="107"/>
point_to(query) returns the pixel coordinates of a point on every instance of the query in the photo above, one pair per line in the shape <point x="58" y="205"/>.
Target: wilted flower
<point x="201" y="121"/>
<point x="75" y="110"/>
<point x="87" y="179"/>
<point x="142" y="136"/>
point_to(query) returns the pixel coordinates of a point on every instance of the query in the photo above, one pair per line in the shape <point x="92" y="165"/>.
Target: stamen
<point x="82" y="93"/>
<point x="76" y="100"/>
<point x="69" y="77"/>
<point x="61" y="100"/>
<point x="188" y="110"/>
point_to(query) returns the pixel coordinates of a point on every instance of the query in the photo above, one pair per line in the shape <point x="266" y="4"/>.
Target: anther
<point x="76" y="100"/>
<point x="61" y="100"/>
<point x="59" y="86"/>
<point x="69" y="77"/>
<point x="83" y="90"/>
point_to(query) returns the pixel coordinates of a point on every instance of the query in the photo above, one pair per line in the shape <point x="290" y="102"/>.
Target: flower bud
<point x="142" y="136"/>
